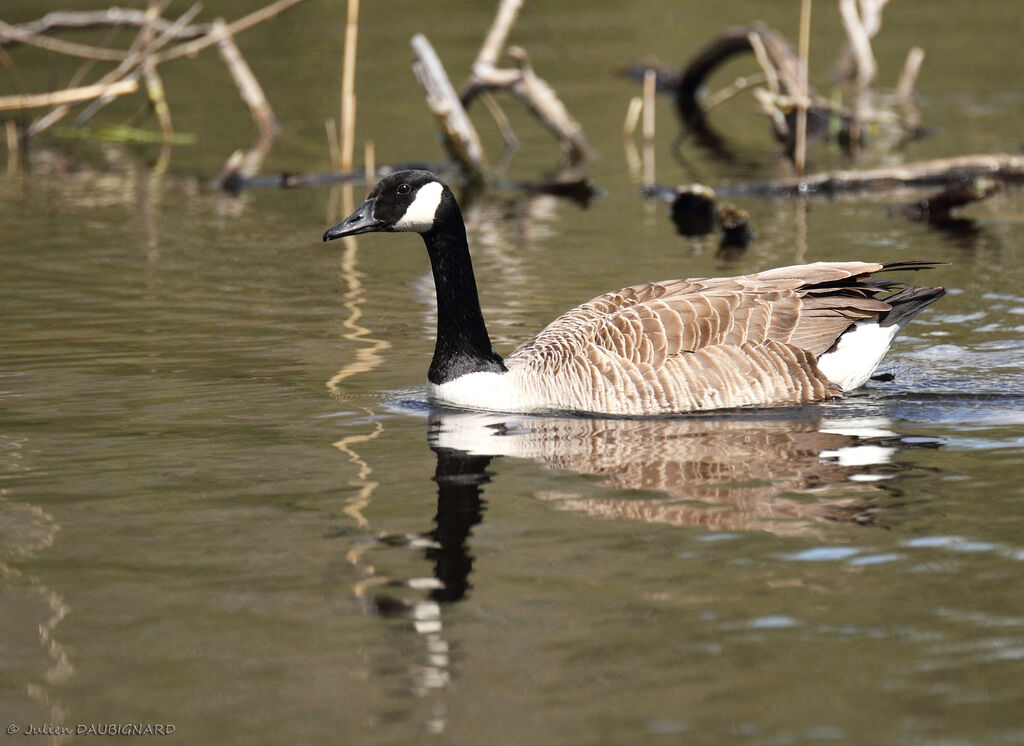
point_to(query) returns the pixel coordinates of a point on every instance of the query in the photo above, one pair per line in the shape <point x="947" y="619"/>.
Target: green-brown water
<point x="225" y="504"/>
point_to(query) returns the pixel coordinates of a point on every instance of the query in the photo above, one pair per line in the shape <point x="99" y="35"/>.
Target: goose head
<point x="405" y="201"/>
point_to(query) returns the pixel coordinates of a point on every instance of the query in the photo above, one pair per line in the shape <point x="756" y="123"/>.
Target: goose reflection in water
<point x="789" y="475"/>
<point x="788" y="472"/>
<point x="737" y="472"/>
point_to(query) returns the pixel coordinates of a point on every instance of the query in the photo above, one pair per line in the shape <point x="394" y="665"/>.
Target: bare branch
<point x="70" y="48"/>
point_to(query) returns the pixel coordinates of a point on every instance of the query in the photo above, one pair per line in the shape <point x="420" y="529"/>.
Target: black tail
<point x="907" y="303"/>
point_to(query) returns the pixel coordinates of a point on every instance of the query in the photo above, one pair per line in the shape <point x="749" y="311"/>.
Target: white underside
<point x="495" y="392"/>
<point x="857" y="354"/>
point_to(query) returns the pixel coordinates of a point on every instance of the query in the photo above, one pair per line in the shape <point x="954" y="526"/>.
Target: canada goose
<point x="789" y="335"/>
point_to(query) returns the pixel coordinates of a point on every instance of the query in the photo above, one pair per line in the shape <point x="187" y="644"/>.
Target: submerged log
<point x="941" y="171"/>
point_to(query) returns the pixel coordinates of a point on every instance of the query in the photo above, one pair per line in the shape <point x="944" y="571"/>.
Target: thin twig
<point x="761" y="55"/>
<point x="737" y="87"/>
<point x="192" y="47"/>
<point x="248" y="86"/>
<point x="498" y="115"/>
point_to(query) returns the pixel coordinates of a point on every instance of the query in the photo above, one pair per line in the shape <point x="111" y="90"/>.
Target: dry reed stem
<point x="370" y="161"/>
<point x="158" y="99"/>
<point x="11" y="131"/>
<point x="905" y="88"/>
<point x="332" y="140"/>
<point x="649" y="89"/>
<point x="633" y="111"/>
<point x="800" y="148"/>
<point x="348" y="87"/>
<point x="650" y="86"/>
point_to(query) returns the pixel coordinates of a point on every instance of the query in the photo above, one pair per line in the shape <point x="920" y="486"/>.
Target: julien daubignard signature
<point x="92" y="729"/>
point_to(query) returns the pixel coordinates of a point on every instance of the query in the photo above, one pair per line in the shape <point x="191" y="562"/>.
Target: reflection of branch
<point x="35" y="530"/>
<point x="367" y="357"/>
<point x="362" y="481"/>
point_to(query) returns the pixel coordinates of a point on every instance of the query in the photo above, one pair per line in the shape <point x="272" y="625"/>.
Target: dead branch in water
<point x="521" y="80"/>
<point x="462" y="141"/>
<point x="139" y="62"/>
<point x="786" y="95"/>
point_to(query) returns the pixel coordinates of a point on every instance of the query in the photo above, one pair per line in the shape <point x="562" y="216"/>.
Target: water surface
<point x="226" y="504"/>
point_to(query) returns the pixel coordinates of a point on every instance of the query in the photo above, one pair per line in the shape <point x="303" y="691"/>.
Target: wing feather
<point x="691" y="344"/>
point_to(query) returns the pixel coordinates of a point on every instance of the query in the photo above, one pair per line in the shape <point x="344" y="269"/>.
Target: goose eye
<point x="404" y="188"/>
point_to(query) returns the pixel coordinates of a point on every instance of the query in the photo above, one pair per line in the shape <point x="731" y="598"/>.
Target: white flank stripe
<point x="419" y="216"/>
<point x="858" y="353"/>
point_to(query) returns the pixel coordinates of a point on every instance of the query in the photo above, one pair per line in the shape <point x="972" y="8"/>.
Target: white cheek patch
<point x="419" y="216"/>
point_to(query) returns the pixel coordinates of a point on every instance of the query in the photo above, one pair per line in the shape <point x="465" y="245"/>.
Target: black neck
<point x="463" y="345"/>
